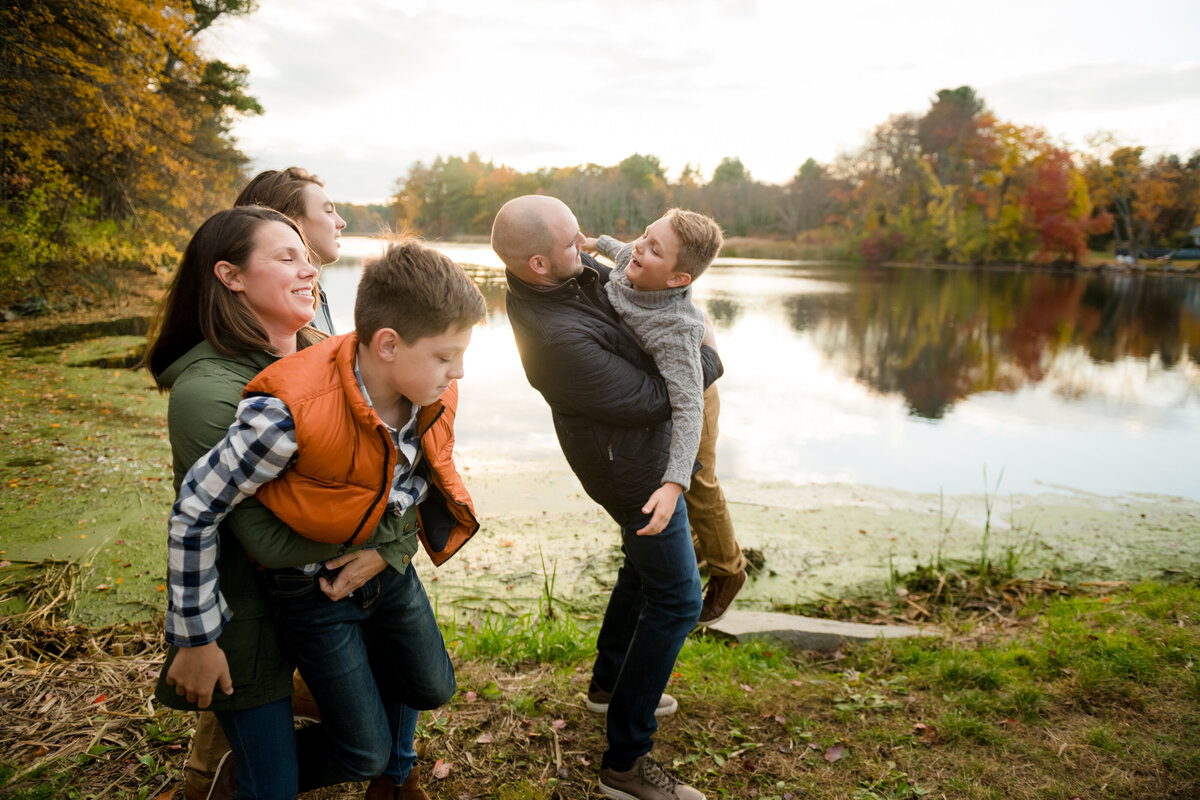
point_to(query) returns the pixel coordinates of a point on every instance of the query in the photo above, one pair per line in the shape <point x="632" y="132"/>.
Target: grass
<point x="1082" y="693"/>
<point x="1039" y="688"/>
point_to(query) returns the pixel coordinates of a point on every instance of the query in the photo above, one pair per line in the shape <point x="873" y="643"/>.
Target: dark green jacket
<point x="206" y="388"/>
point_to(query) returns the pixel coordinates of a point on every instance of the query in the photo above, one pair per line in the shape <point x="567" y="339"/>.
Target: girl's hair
<point x="280" y="189"/>
<point x="197" y="306"/>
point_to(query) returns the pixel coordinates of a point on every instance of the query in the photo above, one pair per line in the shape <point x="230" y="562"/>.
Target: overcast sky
<point x="359" y="90"/>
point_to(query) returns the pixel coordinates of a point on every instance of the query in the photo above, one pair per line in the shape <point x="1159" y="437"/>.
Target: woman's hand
<point x="660" y="507"/>
<point x="356" y="569"/>
<point x="197" y="670"/>
<point x="588" y="246"/>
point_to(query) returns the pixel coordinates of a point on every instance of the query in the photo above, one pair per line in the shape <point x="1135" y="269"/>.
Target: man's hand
<point x="196" y="670"/>
<point x="660" y="507"/>
<point x="356" y="569"/>
<point x="588" y="246"/>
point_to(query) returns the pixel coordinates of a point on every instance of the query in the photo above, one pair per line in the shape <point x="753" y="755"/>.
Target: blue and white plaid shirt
<point x="257" y="448"/>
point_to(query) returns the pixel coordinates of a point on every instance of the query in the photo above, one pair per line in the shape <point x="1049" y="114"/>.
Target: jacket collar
<point x="593" y="273"/>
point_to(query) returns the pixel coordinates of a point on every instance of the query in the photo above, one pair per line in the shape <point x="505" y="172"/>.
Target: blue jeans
<point x="654" y="606"/>
<point x="263" y="742"/>
<point x="267" y="749"/>
<point x="371" y="661"/>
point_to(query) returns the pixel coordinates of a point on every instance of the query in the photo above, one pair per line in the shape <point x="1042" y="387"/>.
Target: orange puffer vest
<point x="337" y="489"/>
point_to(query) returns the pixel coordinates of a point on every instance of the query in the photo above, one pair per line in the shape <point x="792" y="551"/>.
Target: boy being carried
<point x="349" y="442"/>
<point x="651" y="290"/>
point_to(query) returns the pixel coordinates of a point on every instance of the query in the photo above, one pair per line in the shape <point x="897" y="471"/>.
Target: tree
<point x="113" y="132"/>
<point x="730" y="170"/>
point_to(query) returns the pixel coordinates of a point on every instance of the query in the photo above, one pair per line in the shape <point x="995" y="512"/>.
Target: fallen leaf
<point x="471" y="696"/>
<point x="505" y="543"/>
<point x="835" y="753"/>
<point x="780" y="719"/>
<point x="745" y="687"/>
<point x="441" y="769"/>
<point x="484" y="738"/>
<point x="558" y="724"/>
<point x="99" y="698"/>
<point x="169" y="794"/>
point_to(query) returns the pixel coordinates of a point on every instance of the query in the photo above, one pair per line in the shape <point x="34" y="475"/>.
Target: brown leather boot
<point x="382" y="788"/>
<point x="719" y="595"/>
<point x="303" y="705"/>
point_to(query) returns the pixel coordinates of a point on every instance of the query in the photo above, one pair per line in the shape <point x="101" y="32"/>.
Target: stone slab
<point x="808" y="633"/>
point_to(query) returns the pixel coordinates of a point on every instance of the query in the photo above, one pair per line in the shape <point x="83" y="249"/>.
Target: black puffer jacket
<point x="610" y="406"/>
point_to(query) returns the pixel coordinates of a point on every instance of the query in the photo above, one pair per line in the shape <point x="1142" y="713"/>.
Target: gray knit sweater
<point x="669" y="327"/>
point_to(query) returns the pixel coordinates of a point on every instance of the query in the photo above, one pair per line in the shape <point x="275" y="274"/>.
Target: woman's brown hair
<point x="197" y="306"/>
<point x="280" y="189"/>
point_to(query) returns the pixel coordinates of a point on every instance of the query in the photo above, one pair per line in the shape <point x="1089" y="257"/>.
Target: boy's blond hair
<point x="417" y="292"/>
<point x="700" y="240"/>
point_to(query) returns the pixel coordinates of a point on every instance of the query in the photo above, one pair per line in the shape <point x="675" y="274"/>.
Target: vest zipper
<point x="387" y="474"/>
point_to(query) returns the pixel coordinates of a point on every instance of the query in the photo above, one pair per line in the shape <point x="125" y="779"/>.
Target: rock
<point x="808" y="633"/>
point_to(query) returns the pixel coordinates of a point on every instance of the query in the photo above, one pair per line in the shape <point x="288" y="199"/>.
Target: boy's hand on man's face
<point x="660" y="507"/>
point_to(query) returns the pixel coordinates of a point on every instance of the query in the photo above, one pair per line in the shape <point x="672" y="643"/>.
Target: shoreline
<point x="816" y="540"/>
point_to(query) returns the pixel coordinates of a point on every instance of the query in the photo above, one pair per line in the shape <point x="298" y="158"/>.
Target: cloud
<point x="1115" y="86"/>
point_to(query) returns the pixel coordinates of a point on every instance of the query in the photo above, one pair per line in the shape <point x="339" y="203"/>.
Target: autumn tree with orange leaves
<point x="114" y="134"/>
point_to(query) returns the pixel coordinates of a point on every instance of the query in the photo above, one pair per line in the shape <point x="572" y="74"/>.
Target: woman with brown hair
<point x="243" y="296"/>
<point x="298" y="194"/>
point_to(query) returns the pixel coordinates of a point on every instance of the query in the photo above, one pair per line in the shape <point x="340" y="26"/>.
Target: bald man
<point x="612" y="416"/>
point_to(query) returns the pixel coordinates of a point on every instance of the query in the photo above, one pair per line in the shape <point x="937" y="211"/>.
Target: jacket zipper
<point x="387" y="474"/>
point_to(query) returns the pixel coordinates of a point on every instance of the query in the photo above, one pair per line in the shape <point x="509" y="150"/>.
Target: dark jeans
<point x="654" y="606"/>
<point x="266" y="750"/>
<point x="370" y="660"/>
<point x="264" y="744"/>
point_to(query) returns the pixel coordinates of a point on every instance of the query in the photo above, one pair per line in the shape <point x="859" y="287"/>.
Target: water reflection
<point x="936" y="337"/>
<point x="915" y="379"/>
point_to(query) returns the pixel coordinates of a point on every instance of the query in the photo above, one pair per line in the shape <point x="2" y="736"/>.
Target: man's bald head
<point x="537" y="238"/>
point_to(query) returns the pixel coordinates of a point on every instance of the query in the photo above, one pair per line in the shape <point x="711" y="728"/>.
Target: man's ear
<point x="230" y="275"/>
<point x="678" y="279"/>
<point x="539" y="265"/>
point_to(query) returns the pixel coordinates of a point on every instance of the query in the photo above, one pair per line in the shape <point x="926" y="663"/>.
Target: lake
<point x="918" y="379"/>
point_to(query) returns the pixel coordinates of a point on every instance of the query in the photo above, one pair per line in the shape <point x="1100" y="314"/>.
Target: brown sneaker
<point x="646" y="780"/>
<point x="597" y="703"/>
<point x="718" y="597"/>
<point x="382" y="788"/>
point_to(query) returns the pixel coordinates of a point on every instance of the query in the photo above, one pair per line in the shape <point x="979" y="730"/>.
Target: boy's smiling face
<point x="655" y="253"/>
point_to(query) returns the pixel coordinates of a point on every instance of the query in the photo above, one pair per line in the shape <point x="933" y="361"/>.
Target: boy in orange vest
<point x="350" y="443"/>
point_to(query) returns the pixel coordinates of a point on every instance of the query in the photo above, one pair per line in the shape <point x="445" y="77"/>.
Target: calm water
<point x="914" y="379"/>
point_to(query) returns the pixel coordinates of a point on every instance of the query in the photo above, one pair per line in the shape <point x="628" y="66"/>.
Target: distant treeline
<point x="115" y="143"/>
<point x="954" y="184"/>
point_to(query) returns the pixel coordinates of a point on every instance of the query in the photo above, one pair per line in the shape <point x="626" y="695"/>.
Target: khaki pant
<point x="208" y="745"/>
<point x="712" y="527"/>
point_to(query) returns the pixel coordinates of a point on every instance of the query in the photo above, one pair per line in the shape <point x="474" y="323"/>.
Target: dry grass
<point x="1090" y="695"/>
